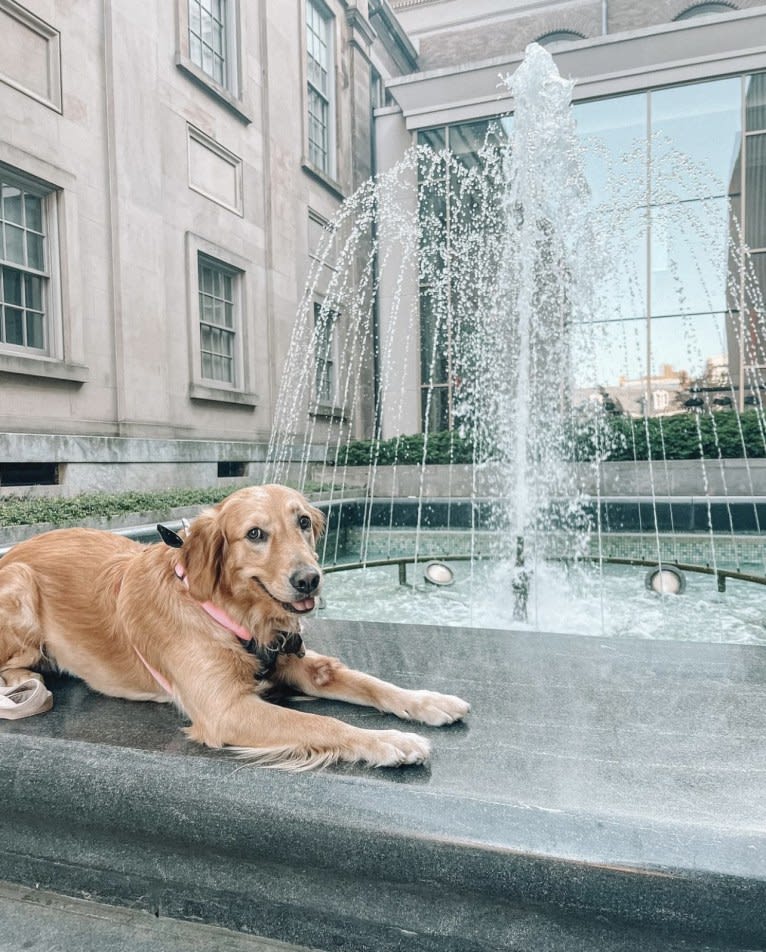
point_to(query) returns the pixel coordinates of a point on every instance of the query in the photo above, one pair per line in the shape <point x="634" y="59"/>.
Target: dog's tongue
<point x="304" y="606"/>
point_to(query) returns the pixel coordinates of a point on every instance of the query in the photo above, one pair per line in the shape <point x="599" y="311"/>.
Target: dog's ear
<point x="317" y="523"/>
<point x="202" y="553"/>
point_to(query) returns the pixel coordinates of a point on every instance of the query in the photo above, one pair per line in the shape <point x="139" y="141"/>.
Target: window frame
<point x="330" y="96"/>
<point x="325" y="355"/>
<point x="49" y="227"/>
<point x="239" y="390"/>
<point x="231" y="93"/>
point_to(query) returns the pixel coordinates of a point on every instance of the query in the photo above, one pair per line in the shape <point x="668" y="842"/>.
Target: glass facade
<point x="678" y="180"/>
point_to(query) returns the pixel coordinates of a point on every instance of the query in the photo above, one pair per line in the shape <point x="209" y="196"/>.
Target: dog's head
<point x="258" y="548"/>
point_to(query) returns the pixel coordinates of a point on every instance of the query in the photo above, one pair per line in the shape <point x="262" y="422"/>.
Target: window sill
<point x="198" y="391"/>
<point x="52" y="369"/>
<point x="324" y="179"/>
<point x="240" y="107"/>
<point x="328" y="411"/>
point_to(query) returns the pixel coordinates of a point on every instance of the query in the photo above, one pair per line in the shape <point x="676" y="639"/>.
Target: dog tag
<point x="169" y="537"/>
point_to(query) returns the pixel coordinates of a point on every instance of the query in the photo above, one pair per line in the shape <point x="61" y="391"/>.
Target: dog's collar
<point x="215" y="611"/>
<point x="285" y="642"/>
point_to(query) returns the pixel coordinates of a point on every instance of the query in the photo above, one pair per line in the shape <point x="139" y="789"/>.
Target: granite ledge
<point x="591" y="789"/>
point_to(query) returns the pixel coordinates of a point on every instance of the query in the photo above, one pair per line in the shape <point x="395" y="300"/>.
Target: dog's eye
<point x="256" y="535"/>
<point x="304" y="522"/>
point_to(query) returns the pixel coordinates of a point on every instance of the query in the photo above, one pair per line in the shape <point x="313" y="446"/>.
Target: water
<point x="482" y="598"/>
<point x="476" y="293"/>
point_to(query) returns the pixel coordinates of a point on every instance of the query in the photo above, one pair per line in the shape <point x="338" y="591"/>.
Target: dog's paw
<point x="395" y="749"/>
<point x="431" y="708"/>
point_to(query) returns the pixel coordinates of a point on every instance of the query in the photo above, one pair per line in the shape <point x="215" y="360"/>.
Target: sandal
<point x="25" y="699"/>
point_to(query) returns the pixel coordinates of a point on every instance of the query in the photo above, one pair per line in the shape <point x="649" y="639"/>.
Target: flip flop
<point x="25" y="699"/>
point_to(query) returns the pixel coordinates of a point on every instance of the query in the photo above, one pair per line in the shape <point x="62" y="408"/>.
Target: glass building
<point x="672" y="125"/>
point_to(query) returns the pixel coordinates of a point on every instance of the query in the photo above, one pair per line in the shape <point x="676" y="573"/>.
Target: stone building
<point x="166" y="169"/>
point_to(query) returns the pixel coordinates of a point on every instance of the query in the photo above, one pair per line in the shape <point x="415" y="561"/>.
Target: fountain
<point x="503" y="267"/>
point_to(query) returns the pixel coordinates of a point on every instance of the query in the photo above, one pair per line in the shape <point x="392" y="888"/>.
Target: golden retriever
<point x="211" y="625"/>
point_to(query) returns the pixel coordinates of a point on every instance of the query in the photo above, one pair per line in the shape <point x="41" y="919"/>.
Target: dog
<point x="212" y="625"/>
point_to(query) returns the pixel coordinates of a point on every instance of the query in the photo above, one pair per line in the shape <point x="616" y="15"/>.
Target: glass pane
<point x="690" y="257"/>
<point x="614" y="135"/>
<point x="12" y="286"/>
<point x="755" y="102"/>
<point x="207" y="60"/>
<point x="609" y="361"/>
<point x="33" y="210"/>
<point x="466" y="141"/>
<point x="697" y="131"/>
<point x="195" y="49"/>
<point x="206" y="279"/>
<point x="14" y="244"/>
<point x="436" y="138"/>
<point x="35" y="252"/>
<point x="228" y="315"/>
<point x="195" y="23"/>
<point x="35" y="337"/>
<point x="690" y="361"/>
<point x="435" y="408"/>
<point x="12" y="204"/>
<point x="33" y="291"/>
<point x="207" y="309"/>
<point x="14" y="326"/>
<point x="755" y="191"/>
<point x="434" y="364"/>
<point x="207" y="366"/>
<point x="227" y="285"/>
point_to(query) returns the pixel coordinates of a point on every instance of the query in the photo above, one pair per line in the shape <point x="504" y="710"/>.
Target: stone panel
<point x="214" y="171"/>
<point x="29" y="54"/>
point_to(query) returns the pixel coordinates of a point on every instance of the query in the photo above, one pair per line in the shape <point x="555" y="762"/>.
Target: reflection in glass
<point x="755" y="102"/>
<point x="682" y="120"/>
<point x="755" y="190"/>
<point x="690" y="257"/>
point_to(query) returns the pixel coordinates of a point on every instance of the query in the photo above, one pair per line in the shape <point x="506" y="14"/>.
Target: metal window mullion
<point x="742" y="247"/>
<point x="649" y="230"/>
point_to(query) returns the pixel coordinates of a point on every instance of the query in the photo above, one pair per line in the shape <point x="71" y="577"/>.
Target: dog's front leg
<point x="320" y="676"/>
<point x="277" y="736"/>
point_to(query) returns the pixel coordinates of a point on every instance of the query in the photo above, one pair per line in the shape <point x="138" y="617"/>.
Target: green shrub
<point x="22" y="510"/>
<point x="724" y="435"/>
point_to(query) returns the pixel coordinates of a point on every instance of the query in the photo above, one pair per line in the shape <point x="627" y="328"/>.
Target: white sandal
<point x="25" y="699"/>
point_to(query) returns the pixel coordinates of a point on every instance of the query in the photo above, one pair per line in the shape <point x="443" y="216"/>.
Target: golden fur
<point x="89" y="602"/>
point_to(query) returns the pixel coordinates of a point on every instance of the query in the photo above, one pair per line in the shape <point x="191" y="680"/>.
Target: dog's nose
<point x="305" y="580"/>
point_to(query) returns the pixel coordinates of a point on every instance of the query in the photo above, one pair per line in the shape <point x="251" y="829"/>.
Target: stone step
<point x="603" y="795"/>
<point x="37" y="920"/>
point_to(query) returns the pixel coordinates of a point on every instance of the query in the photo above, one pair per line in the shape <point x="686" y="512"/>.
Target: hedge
<point x="25" y="510"/>
<point x="724" y="434"/>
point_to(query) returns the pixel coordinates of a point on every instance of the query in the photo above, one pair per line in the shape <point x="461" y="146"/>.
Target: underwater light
<point x="437" y="573"/>
<point x="666" y="580"/>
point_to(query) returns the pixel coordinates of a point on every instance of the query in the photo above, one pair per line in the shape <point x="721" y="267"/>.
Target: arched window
<point x="559" y="36"/>
<point x="705" y="9"/>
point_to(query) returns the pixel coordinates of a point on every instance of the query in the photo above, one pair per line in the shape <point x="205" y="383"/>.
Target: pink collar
<point x="217" y="614"/>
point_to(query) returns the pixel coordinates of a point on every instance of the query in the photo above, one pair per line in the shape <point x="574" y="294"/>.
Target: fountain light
<point x="666" y="580"/>
<point x="437" y="573"/>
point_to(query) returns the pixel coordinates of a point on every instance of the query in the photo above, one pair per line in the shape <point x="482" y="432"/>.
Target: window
<point x="209" y="45"/>
<point x="217" y="306"/>
<point x="320" y="75"/>
<point x="24" y="269"/>
<point x="324" y="327"/>
<point x="705" y="9"/>
<point x="559" y="36"/>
